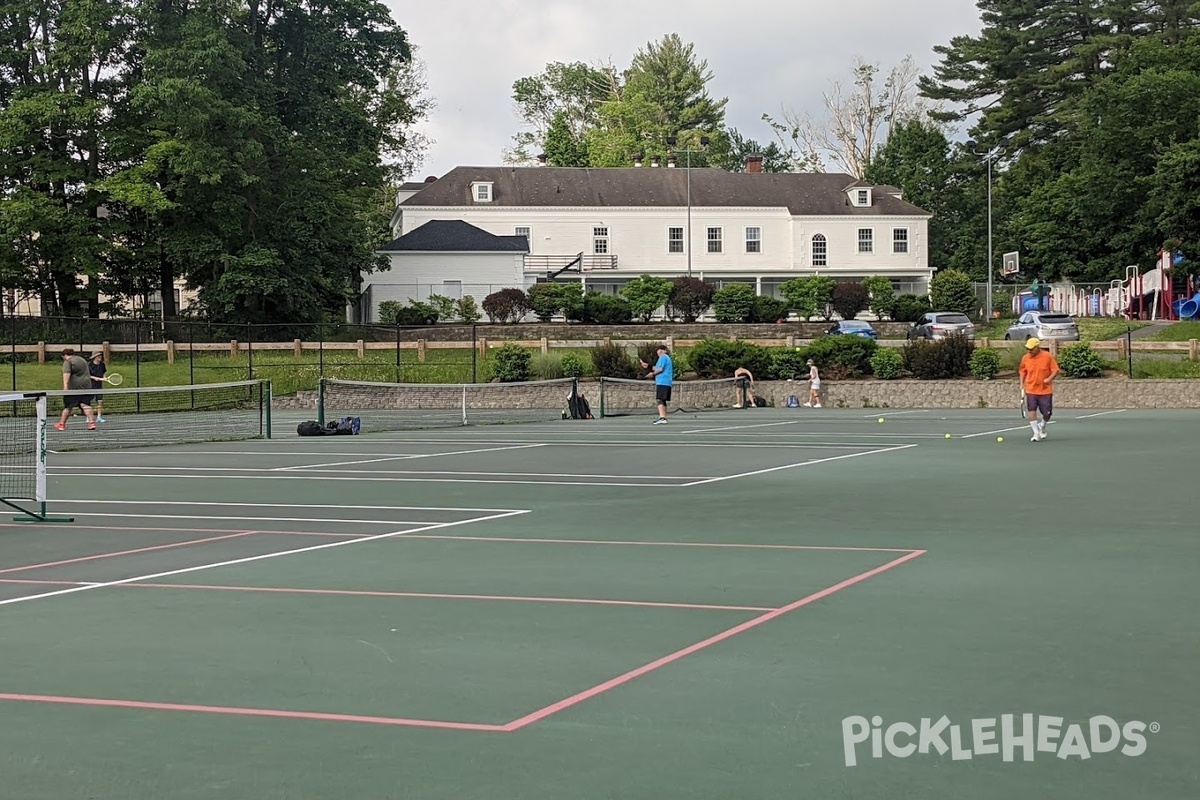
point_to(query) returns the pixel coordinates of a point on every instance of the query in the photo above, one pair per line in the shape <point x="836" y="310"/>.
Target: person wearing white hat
<point x="1037" y="373"/>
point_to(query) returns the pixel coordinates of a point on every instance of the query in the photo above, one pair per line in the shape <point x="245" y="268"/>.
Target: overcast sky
<point x="764" y="56"/>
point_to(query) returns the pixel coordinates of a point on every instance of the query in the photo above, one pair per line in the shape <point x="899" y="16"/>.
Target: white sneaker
<point x="660" y="421"/>
<point x="808" y="405"/>
<point x="818" y="405"/>
<point x="1041" y="434"/>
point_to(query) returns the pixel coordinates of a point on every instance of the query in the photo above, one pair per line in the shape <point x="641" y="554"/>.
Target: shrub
<point x="547" y="366"/>
<point x="606" y="309"/>
<point x="849" y="299"/>
<point x="939" y="359"/>
<point x="545" y="300"/>
<point x="787" y="365"/>
<point x="768" y="309"/>
<point x="842" y="357"/>
<point x="417" y="313"/>
<point x="446" y="307"/>
<point x="985" y="363"/>
<point x="646" y="295"/>
<point x="734" y="303"/>
<point x="506" y="306"/>
<point x="613" y="361"/>
<point x="887" y="364"/>
<point x="468" y="310"/>
<point x="718" y="358"/>
<point x="574" y="365"/>
<point x="953" y="290"/>
<point x="689" y="298"/>
<point x="910" y="307"/>
<point x="1080" y="361"/>
<point x="511" y="364"/>
<point x="809" y="295"/>
<point x="882" y="295"/>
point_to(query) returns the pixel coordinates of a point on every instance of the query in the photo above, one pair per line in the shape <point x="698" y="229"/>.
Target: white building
<point x="606" y="226"/>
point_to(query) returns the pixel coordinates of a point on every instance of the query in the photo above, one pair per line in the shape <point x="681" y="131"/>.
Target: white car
<point x="1043" y="325"/>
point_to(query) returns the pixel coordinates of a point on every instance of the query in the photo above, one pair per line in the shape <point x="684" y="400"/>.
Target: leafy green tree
<point x="563" y="147"/>
<point x="568" y="92"/>
<point x="953" y="290"/>
<point x="646" y="294"/>
<point x="881" y="295"/>
<point x="734" y="303"/>
<point x="809" y="296"/>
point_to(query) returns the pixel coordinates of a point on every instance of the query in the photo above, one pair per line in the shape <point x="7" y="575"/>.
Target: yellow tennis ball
<point x="999" y="438"/>
<point x="947" y="436"/>
<point x="881" y="420"/>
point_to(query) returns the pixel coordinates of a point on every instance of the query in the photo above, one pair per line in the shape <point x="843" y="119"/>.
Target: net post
<point x="601" y="397"/>
<point x="321" y="401"/>
<point x="464" y="404"/>
<point x="267" y="398"/>
<point x="40" y="450"/>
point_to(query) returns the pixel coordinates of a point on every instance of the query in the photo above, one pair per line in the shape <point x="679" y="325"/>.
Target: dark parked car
<point x="853" y="327"/>
<point x="940" y="324"/>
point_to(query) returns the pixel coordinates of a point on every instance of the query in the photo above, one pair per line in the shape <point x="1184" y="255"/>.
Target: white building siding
<point x="415" y="276"/>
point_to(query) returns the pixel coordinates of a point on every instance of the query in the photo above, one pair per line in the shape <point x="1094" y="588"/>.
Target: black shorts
<point x="662" y="393"/>
<point x="1040" y="402"/>
<point x="77" y="400"/>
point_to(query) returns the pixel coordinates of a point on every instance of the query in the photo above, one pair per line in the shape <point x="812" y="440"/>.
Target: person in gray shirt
<point x="77" y="379"/>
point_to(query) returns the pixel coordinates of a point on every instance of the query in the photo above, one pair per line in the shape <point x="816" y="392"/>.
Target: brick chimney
<point x="754" y="163"/>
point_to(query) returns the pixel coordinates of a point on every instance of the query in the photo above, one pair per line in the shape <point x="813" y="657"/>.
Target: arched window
<point x="819" y="251"/>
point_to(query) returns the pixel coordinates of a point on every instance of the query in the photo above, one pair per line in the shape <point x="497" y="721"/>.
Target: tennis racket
<point x="114" y="379"/>
<point x="1021" y="406"/>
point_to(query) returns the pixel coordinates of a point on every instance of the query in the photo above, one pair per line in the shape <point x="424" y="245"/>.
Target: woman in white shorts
<point x="814" y="393"/>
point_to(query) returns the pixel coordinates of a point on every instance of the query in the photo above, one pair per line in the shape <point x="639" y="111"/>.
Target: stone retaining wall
<point x="1098" y="393"/>
<point x="1068" y="393"/>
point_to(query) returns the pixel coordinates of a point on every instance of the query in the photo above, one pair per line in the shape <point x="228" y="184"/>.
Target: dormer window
<point x="481" y="192"/>
<point x="862" y="198"/>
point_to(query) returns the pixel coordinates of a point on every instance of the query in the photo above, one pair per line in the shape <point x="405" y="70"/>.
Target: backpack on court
<point x="760" y="402"/>
<point x="793" y="401"/>
<point x="309" y="428"/>
<point x="578" y="406"/>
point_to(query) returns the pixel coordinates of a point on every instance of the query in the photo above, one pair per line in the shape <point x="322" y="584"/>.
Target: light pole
<point x="989" y="155"/>
<point x="671" y="140"/>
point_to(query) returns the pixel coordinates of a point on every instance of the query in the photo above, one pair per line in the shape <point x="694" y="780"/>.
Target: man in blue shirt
<point x="664" y="376"/>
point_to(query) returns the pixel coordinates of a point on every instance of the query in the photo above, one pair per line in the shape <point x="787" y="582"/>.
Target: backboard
<point x="1011" y="264"/>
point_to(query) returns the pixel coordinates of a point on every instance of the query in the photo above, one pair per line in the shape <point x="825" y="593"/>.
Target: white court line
<point x="269" y="505"/>
<point x="255" y="519"/>
<point x="742" y="427"/>
<point x="1001" y="430"/>
<point x="801" y="464"/>
<point x="291" y="476"/>
<point x="1100" y="414"/>
<point x="248" y="559"/>
<point x="406" y="457"/>
<point x="66" y="471"/>
<point x="895" y="413"/>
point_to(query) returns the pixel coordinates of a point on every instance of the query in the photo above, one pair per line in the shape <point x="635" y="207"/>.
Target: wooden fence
<point x="234" y="348"/>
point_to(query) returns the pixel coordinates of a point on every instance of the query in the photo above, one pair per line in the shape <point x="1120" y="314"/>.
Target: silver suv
<point x="940" y="324"/>
<point x="1043" y="325"/>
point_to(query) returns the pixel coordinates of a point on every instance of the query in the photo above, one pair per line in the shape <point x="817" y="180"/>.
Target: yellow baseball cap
<point x="1032" y="344"/>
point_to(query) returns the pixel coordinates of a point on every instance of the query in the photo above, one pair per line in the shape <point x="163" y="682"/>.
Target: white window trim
<point x="859" y="241"/>
<point x="856" y="197"/>
<point x="759" y="240"/>
<point x="907" y="241"/>
<point x="721" y="232"/>
<point x="606" y="237"/>
<point x="812" y="253"/>
<point x="682" y="240"/>
<point x="476" y="186"/>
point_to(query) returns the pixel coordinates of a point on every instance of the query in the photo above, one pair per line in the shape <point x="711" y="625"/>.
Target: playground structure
<point x="1159" y="294"/>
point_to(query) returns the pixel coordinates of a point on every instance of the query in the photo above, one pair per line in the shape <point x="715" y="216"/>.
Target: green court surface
<point x="769" y="603"/>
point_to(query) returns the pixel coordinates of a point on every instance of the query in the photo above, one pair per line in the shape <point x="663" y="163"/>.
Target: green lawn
<point x="1177" y="332"/>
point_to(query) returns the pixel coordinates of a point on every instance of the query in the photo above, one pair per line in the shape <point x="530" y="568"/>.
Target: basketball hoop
<point x="1011" y="264"/>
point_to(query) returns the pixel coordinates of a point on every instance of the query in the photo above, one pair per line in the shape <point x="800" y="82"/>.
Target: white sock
<point x="1042" y="425"/>
<point x="1034" y="425"/>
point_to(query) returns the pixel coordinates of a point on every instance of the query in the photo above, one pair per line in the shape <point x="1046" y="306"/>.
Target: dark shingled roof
<point x="454" y="235"/>
<point x="803" y="194"/>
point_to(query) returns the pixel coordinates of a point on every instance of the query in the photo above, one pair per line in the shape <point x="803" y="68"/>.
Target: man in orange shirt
<point x="1038" y="370"/>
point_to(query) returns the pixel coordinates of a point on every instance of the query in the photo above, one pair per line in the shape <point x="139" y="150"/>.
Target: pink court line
<point x="519" y="540"/>
<point x="134" y="551"/>
<point x="251" y="712"/>
<point x="155" y="529"/>
<point x="418" y="595"/>
<point x="588" y="694"/>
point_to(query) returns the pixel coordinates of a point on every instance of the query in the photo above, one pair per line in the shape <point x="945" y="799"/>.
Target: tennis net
<point x="416" y="406"/>
<point x="22" y="447"/>
<point x="162" y="415"/>
<point x="620" y="397"/>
